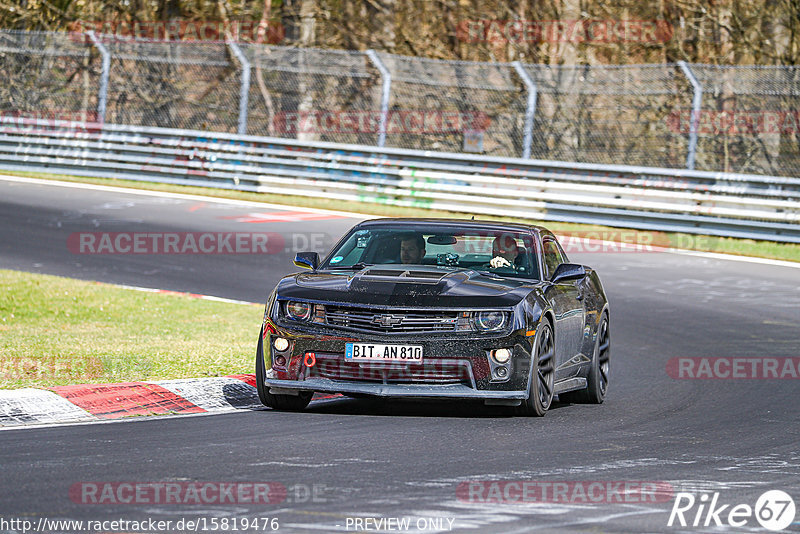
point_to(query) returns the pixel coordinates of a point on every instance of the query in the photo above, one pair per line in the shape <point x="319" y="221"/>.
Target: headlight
<point x="487" y="321"/>
<point x="299" y="311"/>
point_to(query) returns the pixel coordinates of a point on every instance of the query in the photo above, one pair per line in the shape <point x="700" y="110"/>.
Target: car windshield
<point x="502" y="252"/>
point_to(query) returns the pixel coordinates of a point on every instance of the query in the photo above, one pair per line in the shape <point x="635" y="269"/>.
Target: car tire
<point x="540" y="385"/>
<point x="288" y="403"/>
<point x="597" y="379"/>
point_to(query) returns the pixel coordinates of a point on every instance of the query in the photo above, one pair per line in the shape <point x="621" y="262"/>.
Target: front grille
<point x="388" y="322"/>
<point x="439" y="372"/>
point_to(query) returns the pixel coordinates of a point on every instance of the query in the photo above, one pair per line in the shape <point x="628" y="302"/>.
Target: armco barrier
<point x="722" y="204"/>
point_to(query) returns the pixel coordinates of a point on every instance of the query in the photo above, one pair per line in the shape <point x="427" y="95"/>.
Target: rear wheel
<point x="540" y="386"/>
<point x="289" y="403"/>
<point x="597" y="379"/>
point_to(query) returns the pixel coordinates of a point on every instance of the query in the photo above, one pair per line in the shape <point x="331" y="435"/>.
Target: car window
<point x="440" y="246"/>
<point x="553" y="257"/>
<point x="564" y="257"/>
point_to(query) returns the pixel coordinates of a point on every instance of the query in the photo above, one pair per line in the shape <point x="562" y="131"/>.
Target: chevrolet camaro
<point x="437" y="308"/>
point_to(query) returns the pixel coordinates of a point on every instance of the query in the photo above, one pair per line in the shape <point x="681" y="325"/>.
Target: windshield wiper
<point x="355" y="267"/>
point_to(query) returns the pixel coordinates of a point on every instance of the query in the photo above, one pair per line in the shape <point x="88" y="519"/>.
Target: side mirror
<point x="307" y="260"/>
<point x="568" y="271"/>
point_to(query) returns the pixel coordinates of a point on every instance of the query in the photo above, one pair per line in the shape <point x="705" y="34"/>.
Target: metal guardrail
<point x="722" y="204"/>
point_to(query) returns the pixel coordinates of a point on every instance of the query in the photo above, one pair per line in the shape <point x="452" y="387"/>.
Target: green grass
<point x="723" y="245"/>
<point x="56" y="331"/>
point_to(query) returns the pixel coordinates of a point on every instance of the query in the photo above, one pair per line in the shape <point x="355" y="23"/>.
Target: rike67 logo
<point x="774" y="510"/>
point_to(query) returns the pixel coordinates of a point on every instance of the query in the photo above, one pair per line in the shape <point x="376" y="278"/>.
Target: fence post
<point x="244" y="89"/>
<point x="530" y="109"/>
<point x="102" y="95"/>
<point x="697" y="101"/>
<point x="386" y="77"/>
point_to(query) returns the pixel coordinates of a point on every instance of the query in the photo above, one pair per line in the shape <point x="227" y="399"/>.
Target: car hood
<point x="397" y="286"/>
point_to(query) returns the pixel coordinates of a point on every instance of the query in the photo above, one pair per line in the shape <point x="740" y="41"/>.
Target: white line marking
<point x="160" y="417"/>
<point x="181" y="293"/>
<point x="230" y="301"/>
<point x="587" y="521"/>
<point x="746" y="259"/>
<point x="185" y="196"/>
<point x="614" y="246"/>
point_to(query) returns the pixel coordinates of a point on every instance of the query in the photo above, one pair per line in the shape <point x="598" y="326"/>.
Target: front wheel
<point x="540" y="385"/>
<point x="288" y="403"/>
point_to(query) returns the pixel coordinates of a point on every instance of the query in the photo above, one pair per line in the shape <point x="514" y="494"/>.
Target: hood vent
<point x="412" y="276"/>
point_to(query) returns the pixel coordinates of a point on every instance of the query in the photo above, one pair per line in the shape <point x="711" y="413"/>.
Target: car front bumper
<point x="455" y="367"/>
<point x="449" y="391"/>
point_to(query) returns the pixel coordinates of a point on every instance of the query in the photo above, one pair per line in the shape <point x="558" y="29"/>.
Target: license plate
<point x="383" y="353"/>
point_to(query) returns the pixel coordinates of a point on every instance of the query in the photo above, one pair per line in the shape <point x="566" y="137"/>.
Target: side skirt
<point x="570" y="384"/>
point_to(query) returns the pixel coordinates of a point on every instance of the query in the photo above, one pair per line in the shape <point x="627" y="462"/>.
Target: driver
<point x="504" y="251"/>
<point x="412" y="248"/>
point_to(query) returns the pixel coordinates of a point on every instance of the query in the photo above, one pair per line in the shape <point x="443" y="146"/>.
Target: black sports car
<point x="437" y="308"/>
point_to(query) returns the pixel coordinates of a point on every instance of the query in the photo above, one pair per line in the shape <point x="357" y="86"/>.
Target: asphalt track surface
<point x="406" y="460"/>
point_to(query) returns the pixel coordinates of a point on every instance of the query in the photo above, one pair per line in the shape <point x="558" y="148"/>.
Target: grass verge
<point x="57" y="331"/>
<point x="722" y="245"/>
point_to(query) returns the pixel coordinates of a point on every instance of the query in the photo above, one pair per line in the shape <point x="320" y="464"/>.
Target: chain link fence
<point x="173" y="85"/>
<point x="434" y="102"/>
<point x="311" y="94"/>
<point x="750" y="121"/>
<point x="48" y="75"/>
<point x="736" y="119"/>
<point x="614" y="114"/>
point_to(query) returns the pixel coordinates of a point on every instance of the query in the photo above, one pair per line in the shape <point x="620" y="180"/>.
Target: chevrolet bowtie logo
<point x="387" y="320"/>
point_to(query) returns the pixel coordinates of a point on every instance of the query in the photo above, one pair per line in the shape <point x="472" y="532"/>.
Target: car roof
<point x="463" y="223"/>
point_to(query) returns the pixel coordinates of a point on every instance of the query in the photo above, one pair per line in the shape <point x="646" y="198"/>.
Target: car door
<point x="566" y="298"/>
